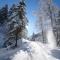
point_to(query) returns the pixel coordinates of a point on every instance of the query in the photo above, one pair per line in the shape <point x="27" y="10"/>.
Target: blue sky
<point x="57" y="2"/>
<point x="31" y="7"/>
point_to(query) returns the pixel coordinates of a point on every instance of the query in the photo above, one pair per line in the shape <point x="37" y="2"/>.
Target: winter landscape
<point x="29" y="29"/>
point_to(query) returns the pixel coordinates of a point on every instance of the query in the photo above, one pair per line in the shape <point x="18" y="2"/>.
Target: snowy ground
<point x="30" y="50"/>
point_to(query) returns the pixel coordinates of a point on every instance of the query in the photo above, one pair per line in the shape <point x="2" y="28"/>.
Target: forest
<point x="30" y="30"/>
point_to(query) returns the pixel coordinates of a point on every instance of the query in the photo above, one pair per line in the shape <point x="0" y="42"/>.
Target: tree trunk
<point x="16" y="39"/>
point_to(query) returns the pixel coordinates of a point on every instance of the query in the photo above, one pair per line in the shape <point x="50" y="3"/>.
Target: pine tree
<point x="33" y="37"/>
<point x="4" y="14"/>
<point x="17" y="23"/>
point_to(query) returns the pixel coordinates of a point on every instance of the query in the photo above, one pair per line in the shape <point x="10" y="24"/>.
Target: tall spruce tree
<point x="17" y="24"/>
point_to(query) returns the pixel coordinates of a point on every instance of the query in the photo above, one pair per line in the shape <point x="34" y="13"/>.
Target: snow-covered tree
<point x="17" y="23"/>
<point x="46" y="17"/>
<point x="58" y="29"/>
<point x="4" y="14"/>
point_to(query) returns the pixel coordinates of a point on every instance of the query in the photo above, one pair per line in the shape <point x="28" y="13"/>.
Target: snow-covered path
<point x="34" y="51"/>
<point x="29" y="51"/>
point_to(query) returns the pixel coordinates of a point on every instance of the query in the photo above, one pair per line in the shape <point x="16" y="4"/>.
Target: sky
<point x="57" y="2"/>
<point x="31" y="6"/>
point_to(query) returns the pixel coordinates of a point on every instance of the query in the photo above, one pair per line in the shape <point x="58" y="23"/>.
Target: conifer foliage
<point x="16" y="24"/>
<point x="3" y="14"/>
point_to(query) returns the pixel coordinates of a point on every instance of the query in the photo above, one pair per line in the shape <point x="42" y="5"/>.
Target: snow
<point x="51" y="39"/>
<point x="30" y="50"/>
<point x="35" y="51"/>
<point x="22" y="56"/>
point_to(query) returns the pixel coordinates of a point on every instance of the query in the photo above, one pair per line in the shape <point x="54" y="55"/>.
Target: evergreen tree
<point x="17" y="23"/>
<point x="4" y="14"/>
<point x="33" y="37"/>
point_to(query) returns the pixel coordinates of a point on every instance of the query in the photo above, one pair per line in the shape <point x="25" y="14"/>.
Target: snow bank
<point x="28" y="50"/>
